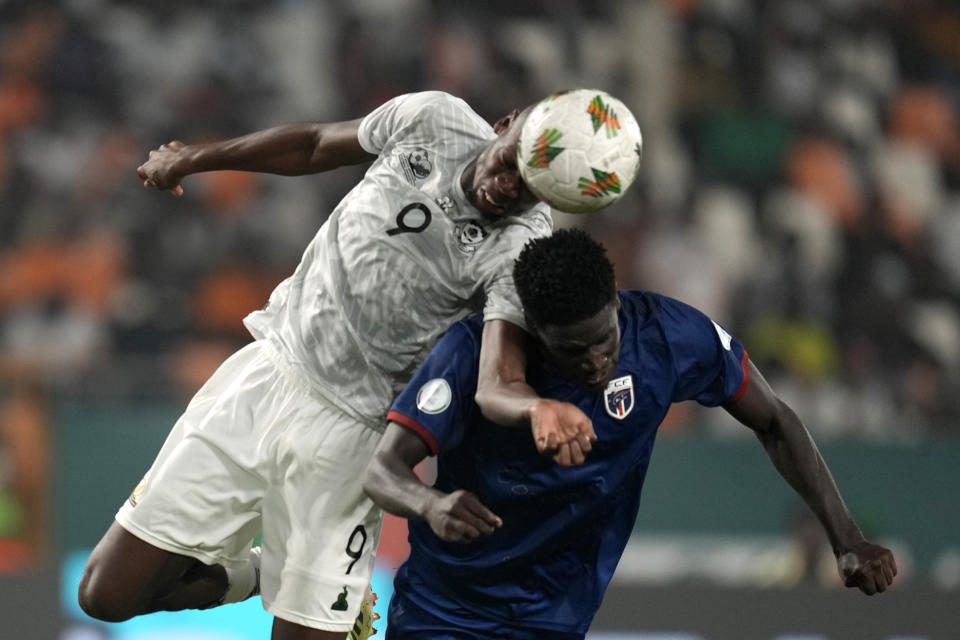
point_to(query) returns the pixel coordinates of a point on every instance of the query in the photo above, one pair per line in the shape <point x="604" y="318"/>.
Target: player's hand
<point x="563" y="431"/>
<point x="461" y="517"/>
<point x="159" y="171"/>
<point x="869" y="567"/>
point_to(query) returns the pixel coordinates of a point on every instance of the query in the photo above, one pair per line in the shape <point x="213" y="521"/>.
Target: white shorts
<point x="258" y="449"/>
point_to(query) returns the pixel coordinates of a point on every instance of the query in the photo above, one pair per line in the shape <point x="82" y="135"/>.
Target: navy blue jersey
<point x="564" y="529"/>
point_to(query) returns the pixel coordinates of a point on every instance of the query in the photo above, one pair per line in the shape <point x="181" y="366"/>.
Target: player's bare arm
<point x="288" y="150"/>
<point x="559" y="429"/>
<point x="862" y="564"/>
<point x="393" y="485"/>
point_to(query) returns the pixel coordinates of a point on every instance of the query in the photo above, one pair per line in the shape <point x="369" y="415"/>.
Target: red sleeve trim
<point x="742" y="389"/>
<point x="417" y="428"/>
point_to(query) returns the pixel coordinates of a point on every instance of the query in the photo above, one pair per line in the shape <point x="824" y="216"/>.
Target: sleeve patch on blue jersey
<point x="724" y="336"/>
<point x="434" y="396"/>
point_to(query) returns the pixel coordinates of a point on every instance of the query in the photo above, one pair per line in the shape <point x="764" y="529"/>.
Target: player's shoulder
<point x="673" y="316"/>
<point x="661" y="304"/>
<point x="535" y="222"/>
<point x="468" y="330"/>
<point x="425" y="107"/>
<point x="438" y="104"/>
<point x="636" y="302"/>
<point x="439" y="97"/>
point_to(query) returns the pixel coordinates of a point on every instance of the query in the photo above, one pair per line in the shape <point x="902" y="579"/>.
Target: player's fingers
<point x="480" y="510"/>
<point x="460" y="531"/>
<point x="476" y="526"/>
<point x="474" y="521"/>
<point x="882" y="574"/>
<point x="867" y="581"/>
<point x="562" y="456"/>
<point x="549" y="442"/>
<point x="468" y="509"/>
<point x="589" y="432"/>
<point x="586" y="445"/>
<point x="577" y="457"/>
<point x="888" y="572"/>
<point x="879" y="582"/>
<point x="178" y="191"/>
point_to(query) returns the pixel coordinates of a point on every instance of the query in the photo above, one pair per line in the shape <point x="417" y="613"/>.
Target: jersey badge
<point x="470" y="236"/>
<point x="434" y="396"/>
<point x="417" y="165"/>
<point x="445" y="203"/>
<point x="618" y="397"/>
<point x="137" y="491"/>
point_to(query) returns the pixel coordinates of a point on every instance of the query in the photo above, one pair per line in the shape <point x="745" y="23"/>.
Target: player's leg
<point x="285" y="630"/>
<point x="182" y="539"/>
<point x="126" y="577"/>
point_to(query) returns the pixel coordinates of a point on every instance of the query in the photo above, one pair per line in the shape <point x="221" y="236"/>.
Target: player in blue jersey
<point x="543" y="541"/>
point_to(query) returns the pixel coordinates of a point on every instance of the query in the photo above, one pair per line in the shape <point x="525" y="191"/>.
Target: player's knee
<point x="98" y="600"/>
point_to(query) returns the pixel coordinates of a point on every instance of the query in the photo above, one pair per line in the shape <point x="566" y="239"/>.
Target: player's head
<point x="492" y="183"/>
<point x="569" y="295"/>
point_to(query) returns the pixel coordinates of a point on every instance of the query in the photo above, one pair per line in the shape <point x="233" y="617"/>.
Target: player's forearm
<point x="509" y="405"/>
<point x="503" y="394"/>
<point x="284" y="150"/>
<point x="395" y="487"/>
<point x="796" y="457"/>
<point x="289" y="150"/>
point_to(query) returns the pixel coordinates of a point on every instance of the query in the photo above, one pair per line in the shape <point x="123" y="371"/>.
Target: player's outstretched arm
<point x="862" y="564"/>
<point x="392" y="484"/>
<point x="560" y="429"/>
<point x="289" y="150"/>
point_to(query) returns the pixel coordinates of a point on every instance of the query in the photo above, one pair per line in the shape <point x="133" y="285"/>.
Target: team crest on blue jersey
<point x="618" y="397"/>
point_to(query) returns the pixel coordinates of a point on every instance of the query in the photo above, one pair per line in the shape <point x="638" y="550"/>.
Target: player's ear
<point x="504" y="123"/>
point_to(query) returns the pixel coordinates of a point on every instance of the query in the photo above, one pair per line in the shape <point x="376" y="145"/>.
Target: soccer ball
<point x="579" y="150"/>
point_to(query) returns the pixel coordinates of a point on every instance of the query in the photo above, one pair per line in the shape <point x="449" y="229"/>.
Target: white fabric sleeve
<point x="394" y="115"/>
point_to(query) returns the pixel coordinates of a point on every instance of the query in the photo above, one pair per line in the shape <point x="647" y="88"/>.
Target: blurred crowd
<point x="800" y="181"/>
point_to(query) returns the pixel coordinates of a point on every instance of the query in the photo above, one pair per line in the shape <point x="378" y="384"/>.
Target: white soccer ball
<point x="579" y="150"/>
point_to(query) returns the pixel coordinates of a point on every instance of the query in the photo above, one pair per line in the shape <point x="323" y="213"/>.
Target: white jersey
<point x="402" y="257"/>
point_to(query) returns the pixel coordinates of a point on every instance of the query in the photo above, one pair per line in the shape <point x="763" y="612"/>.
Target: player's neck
<point x="466" y="180"/>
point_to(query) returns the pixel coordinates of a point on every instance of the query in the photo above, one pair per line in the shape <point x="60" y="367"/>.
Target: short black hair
<point x="564" y="278"/>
